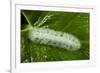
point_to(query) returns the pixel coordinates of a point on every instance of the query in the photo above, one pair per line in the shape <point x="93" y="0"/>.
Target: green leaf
<point x="75" y="23"/>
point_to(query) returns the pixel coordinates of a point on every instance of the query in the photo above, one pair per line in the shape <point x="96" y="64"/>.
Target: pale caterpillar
<point x="54" y="38"/>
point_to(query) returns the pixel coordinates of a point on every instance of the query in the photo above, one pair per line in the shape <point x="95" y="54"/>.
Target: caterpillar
<point x="54" y="38"/>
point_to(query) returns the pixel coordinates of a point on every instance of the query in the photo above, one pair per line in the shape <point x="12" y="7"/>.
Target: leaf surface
<point x="75" y="23"/>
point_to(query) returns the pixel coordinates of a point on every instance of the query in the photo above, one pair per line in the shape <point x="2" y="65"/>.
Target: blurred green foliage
<point x="76" y="23"/>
